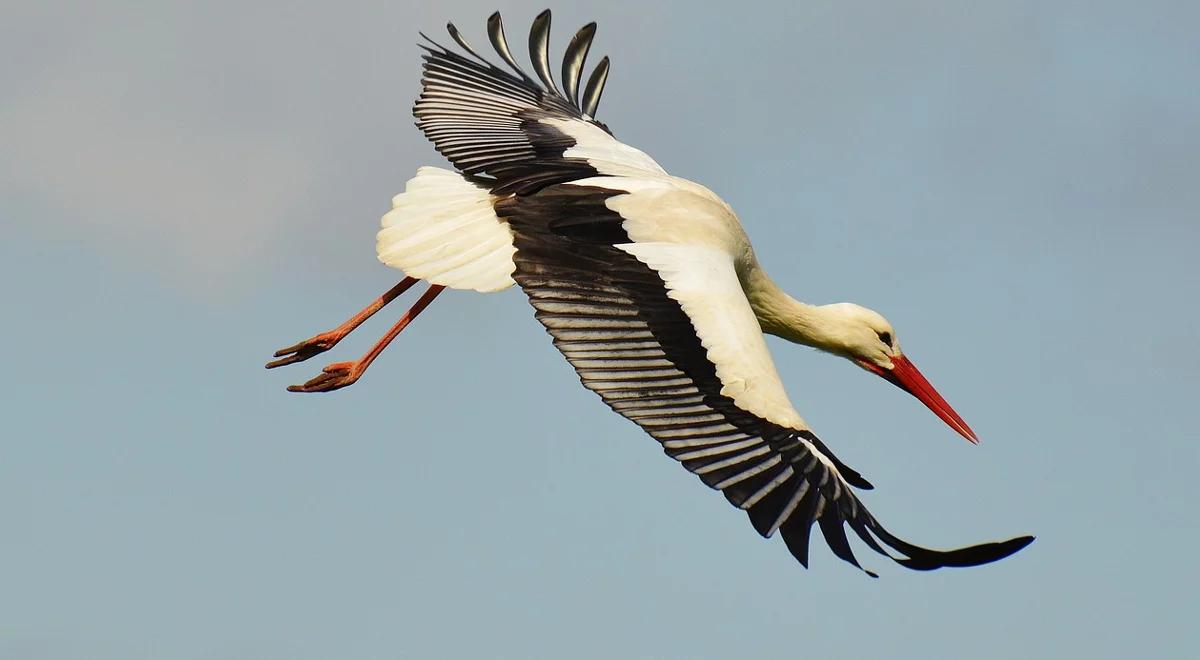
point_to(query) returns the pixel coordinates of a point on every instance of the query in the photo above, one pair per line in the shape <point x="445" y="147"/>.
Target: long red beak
<point x="905" y="375"/>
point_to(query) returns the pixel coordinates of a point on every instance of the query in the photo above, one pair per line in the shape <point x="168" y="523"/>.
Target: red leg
<point x="341" y="374"/>
<point x="327" y="340"/>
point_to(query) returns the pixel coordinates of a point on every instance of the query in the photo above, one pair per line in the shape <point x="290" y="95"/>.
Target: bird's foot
<point x="306" y="349"/>
<point x="333" y="377"/>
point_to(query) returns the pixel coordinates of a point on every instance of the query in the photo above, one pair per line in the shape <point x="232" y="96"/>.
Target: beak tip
<point x="969" y="434"/>
<point x="905" y="374"/>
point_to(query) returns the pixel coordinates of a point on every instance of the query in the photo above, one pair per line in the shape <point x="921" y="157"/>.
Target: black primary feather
<point x="573" y="59"/>
<point x="595" y="87"/>
<point x="462" y="41"/>
<point x="495" y="28"/>
<point x="539" y="49"/>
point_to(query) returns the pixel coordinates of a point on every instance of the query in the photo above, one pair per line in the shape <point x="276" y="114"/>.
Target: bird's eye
<point x="886" y="338"/>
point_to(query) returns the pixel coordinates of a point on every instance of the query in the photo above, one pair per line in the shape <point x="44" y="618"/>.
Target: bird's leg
<point x="327" y="340"/>
<point x="341" y="374"/>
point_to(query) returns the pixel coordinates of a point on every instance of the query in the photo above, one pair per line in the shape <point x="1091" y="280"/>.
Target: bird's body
<point x="647" y="282"/>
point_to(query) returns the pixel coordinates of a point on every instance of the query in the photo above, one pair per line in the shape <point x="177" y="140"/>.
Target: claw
<point x="341" y="374"/>
<point x="304" y="350"/>
<point x="333" y="377"/>
<point x="327" y="340"/>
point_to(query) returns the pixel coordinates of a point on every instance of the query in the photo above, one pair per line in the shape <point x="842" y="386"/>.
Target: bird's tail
<point x="443" y="229"/>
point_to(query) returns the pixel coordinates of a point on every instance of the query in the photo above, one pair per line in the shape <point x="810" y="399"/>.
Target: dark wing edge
<point x="612" y="318"/>
<point x="485" y="119"/>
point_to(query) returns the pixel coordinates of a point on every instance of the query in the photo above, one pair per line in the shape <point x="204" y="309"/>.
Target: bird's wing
<point x="507" y="127"/>
<point x="664" y="336"/>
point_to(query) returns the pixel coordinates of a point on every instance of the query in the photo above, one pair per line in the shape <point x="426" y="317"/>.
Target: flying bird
<point x="646" y="282"/>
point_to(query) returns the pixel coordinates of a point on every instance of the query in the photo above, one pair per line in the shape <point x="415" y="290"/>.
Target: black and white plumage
<point x="647" y="284"/>
<point x="487" y="121"/>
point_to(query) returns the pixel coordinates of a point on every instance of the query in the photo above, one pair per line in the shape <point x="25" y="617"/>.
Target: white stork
<point x="647" y="283"/>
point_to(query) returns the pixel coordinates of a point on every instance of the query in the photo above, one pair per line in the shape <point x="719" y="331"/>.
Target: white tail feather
<point x="443" y="229"/>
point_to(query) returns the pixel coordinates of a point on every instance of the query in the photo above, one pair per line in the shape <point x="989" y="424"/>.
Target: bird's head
<point x="864" y="337"/>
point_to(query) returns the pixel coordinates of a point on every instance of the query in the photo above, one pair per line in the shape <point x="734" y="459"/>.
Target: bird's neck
<point x="783" y="316"/>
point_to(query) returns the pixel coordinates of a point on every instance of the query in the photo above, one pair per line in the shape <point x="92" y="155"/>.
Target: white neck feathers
<point x="783" y="316"/>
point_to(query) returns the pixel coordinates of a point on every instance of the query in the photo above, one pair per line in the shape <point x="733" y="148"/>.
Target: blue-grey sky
<point x="187" y="186"/>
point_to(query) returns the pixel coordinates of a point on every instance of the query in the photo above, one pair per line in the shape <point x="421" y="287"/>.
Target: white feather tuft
<point x="443" y="229"/>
